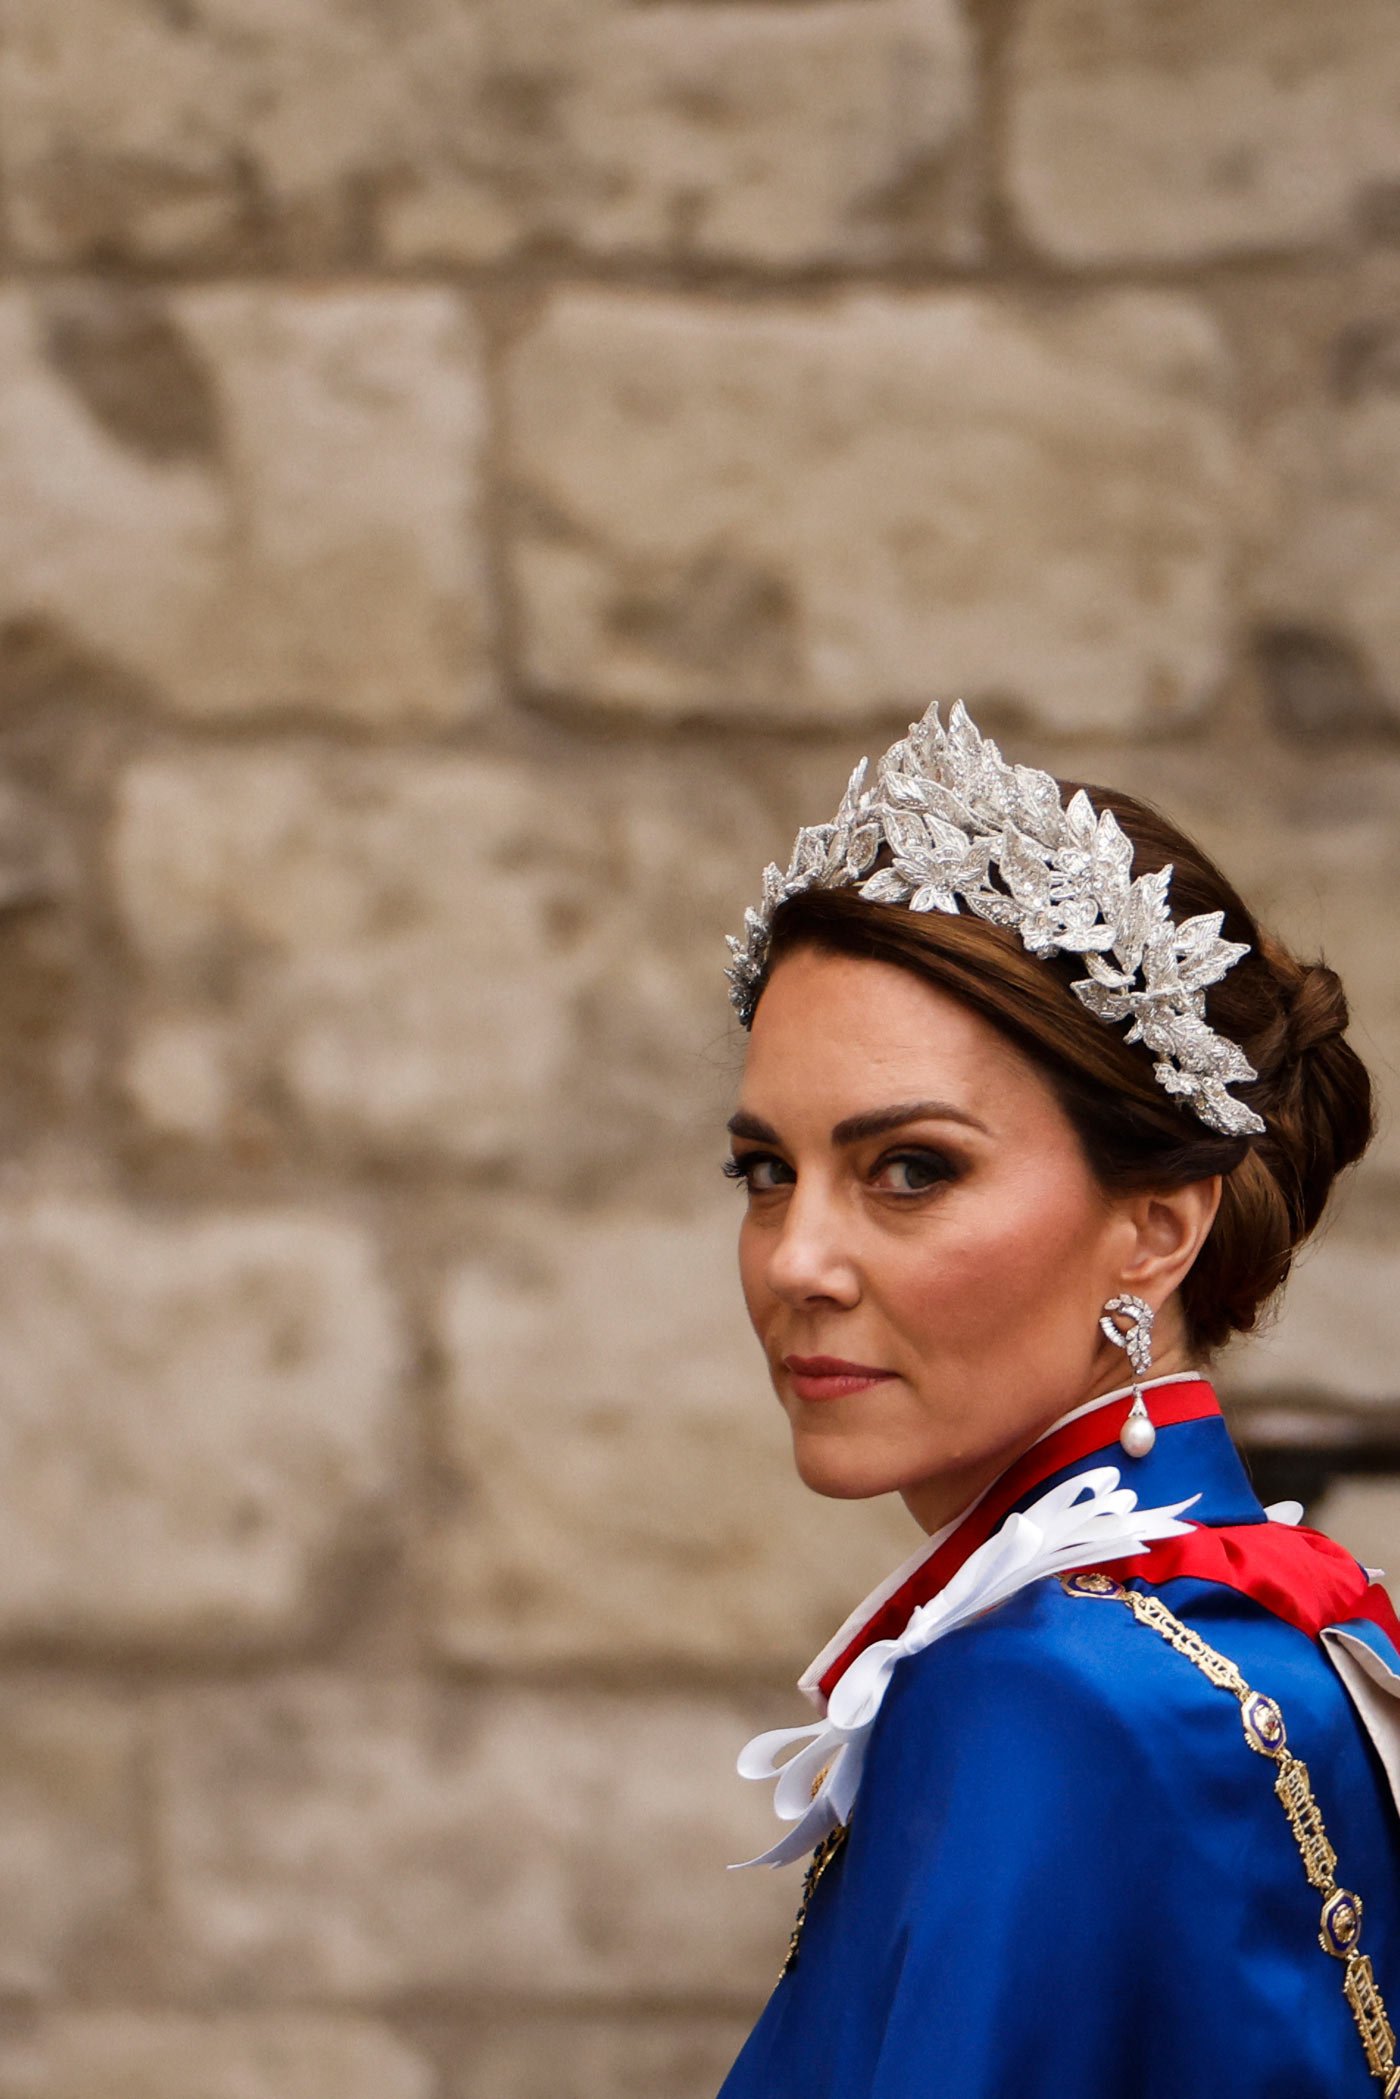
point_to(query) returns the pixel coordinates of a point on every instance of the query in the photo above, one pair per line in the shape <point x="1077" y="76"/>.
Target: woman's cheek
<point x="979" y="1273"/>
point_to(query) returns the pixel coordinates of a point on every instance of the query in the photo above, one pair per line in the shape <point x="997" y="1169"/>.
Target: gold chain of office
<point x="1339" y="1931"/>
<point x="821" y="1858"/>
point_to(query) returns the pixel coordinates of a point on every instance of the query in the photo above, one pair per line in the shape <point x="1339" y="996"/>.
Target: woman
<point x="1100" y="1784"/>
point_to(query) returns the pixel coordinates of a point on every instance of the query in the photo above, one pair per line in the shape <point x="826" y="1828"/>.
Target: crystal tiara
<point x="950" y="810"/>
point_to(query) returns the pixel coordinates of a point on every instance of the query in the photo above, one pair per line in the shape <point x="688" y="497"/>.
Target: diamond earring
<point x="1137" y="1435"/>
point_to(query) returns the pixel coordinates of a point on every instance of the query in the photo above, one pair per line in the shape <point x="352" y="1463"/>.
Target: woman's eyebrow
<point x="874" y="1123"/>
<point x="742" y="1124"/>
<point x="879" y="1120"/>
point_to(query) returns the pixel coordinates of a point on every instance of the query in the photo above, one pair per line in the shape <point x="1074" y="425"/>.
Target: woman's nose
<point x="811" y="1257"/>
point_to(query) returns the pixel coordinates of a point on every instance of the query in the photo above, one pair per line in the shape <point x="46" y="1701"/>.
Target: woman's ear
<point x="1167" y="1228"/>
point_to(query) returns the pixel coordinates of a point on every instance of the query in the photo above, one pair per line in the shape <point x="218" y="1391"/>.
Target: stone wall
<point x="472" y="475"/>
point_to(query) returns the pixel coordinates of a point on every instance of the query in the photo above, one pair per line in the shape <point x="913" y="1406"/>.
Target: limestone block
<point x="683" y="2057"/>
<point x="1364" y="1515"/>
<point x="69" y="1866"/>
<point x="619" y="1470"/>
<point x="333" y="132"/>
<point x="197" y="1423"/>
<point x="424" y="955"/>
<point x="886" y="499"/>
<point x="1317" y="857"/>
<point x="1337" y="1335"/>
<point x="391" y="946"/>
<point x="1146" y="133"/>
<point x="327" y="1838"/>
<point x="179" y="1073"/>
<point x="161" y="2055"/>
<point x="1323" y="586"/>
<point x="44" y="1065"/>
<point x="777" y="136"/>
<point x="234" y="501"/>
<point x="687" y="829"/>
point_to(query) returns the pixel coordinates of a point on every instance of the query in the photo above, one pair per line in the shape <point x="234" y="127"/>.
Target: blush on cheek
<point x="1008" y="1306"/>
<point x="984" y="1285"/>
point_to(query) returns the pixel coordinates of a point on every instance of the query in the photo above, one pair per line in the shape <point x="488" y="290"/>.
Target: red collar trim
<point x="1183" y="1399"/>
<point x="1297" y="1574"/>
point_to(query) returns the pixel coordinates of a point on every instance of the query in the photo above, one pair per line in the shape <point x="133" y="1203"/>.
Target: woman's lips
<point x="829" y="1377"/>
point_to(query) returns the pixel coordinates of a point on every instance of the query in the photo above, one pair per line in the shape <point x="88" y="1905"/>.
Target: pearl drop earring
<point x="1137" y="1434"/>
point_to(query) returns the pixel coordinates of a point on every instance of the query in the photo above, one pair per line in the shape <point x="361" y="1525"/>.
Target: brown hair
<point x="1288" y="1016"/>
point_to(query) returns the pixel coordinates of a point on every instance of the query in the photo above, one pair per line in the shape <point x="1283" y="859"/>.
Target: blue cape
<point x="1067" y="1875"/>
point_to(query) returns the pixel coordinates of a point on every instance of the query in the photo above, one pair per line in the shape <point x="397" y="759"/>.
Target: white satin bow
<point x="1083" y="1521"/>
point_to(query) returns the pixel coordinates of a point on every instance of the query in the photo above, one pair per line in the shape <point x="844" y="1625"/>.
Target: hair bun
<point x="1320" y="1107"/>
<point x="1317" y="1008"/>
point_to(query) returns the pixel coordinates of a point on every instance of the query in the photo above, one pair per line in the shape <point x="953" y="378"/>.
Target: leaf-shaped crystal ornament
<point x="956" y="821"/>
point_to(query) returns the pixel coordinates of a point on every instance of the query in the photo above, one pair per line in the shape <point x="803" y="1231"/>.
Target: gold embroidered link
<point x="1371" y="2022"/>
<point x="1294" y="1789"/>
<point x="1266" y="1734"/>
<point x="821" y="1859"/>
<point x="1152" y="1611"/>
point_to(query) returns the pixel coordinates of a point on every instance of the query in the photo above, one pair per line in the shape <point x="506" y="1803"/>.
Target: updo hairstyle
<point x="1289" y="1018"/>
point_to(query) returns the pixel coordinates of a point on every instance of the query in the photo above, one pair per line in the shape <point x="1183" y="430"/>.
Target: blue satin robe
<point x="1067" y="1875"/>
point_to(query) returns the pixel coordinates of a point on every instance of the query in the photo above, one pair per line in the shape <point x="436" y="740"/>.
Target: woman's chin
<point x="841" y="1472"/>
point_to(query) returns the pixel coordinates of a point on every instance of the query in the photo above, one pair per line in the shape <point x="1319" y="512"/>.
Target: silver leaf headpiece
<point x="950" y="810"/>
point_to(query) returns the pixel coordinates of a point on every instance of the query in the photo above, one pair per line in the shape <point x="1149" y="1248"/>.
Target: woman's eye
<point x="759" y="1171"/>
<point x="910" y="1173"/>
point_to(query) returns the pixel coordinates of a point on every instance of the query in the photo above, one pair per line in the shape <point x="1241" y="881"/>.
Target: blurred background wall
<point x="472" y="478"/>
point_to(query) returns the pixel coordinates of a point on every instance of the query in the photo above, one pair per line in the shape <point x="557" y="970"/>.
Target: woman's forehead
<point x="838" y="1035"/>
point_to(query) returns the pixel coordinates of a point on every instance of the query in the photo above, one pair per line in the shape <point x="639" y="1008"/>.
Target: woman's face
<point x="925" y="1252"/>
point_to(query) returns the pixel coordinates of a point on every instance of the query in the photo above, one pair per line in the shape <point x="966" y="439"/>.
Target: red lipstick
<point x="830" y="1377"/>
